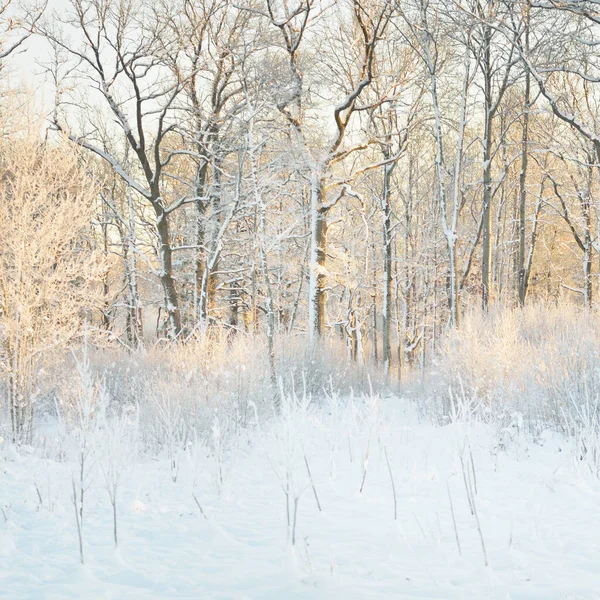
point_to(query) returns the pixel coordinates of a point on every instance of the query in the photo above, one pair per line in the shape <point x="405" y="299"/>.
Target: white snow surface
<point x="538" y="507"/>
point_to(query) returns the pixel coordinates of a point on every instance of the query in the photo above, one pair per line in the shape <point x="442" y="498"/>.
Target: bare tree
<point x="426" y="40"/>
<point x="495" y="61"/>
<point x="17" y="23"/>
<point x="123" y="53"/>
<point x="210" y="35"/>
<point x="359" y="41"/>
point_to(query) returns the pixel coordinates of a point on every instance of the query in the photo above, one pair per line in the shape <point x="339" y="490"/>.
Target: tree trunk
<point x="317" y="276"/>
<point x="200" y="241"/>
<point x="523" y="282"/>
<point x="486" y="267"/>
<point x="387" y="270"/>
<point x="135" y="329"/>
<point x="165" y="255"/>
<point x="107" y="310"/>
<point x="587" y="240"/>
<point x="452" y="281"/>
<point x="209" y="280"/>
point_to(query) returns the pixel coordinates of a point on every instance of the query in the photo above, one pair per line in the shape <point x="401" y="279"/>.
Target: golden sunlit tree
<point x="49" y="269"/>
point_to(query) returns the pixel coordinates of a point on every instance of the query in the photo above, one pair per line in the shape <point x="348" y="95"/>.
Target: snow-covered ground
<point x="220" y="530"/>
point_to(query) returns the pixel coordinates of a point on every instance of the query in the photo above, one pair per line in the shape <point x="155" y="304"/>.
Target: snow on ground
<point x="539" y="515"/>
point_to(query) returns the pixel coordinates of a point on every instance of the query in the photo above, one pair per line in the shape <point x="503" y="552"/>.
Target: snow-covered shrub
<point x="325" y="365"/>
<point x="177" y="391"/>
<point x="541" y="361"/>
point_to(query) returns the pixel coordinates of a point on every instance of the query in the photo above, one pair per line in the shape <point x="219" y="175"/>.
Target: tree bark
<point x="165" y="255"/>
<point x="523" y="280"/>
<point x="486" y="263"/>
<point x="318" y="255"/>
<point x="387" y="269"/>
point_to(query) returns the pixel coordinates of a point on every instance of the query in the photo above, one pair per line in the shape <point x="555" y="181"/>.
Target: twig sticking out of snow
<point x="286" y="491"/>
<point x="349" y="449"/>
<point x="39" y="495"/>
<point x="365" y="465"/>
<point x="312" y="483"/>
<point x="473" y="470"/>
<point x="296" y="500"/>
<point x="387" y="460"/>
<point x="485" y="558"/>
<point x="200" y="507"/>
<point x="471" y="497"/>
<point x="77" y="520"/>
<point x="453" y="519"/>
<point x="467" y="487"/>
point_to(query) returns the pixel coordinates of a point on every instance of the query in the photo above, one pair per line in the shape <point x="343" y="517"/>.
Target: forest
<point x="297" y="238"/>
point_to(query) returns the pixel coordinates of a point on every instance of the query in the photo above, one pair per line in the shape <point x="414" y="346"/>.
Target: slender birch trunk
<point x="387" y="269"/>
<point x="523" y="281"/>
